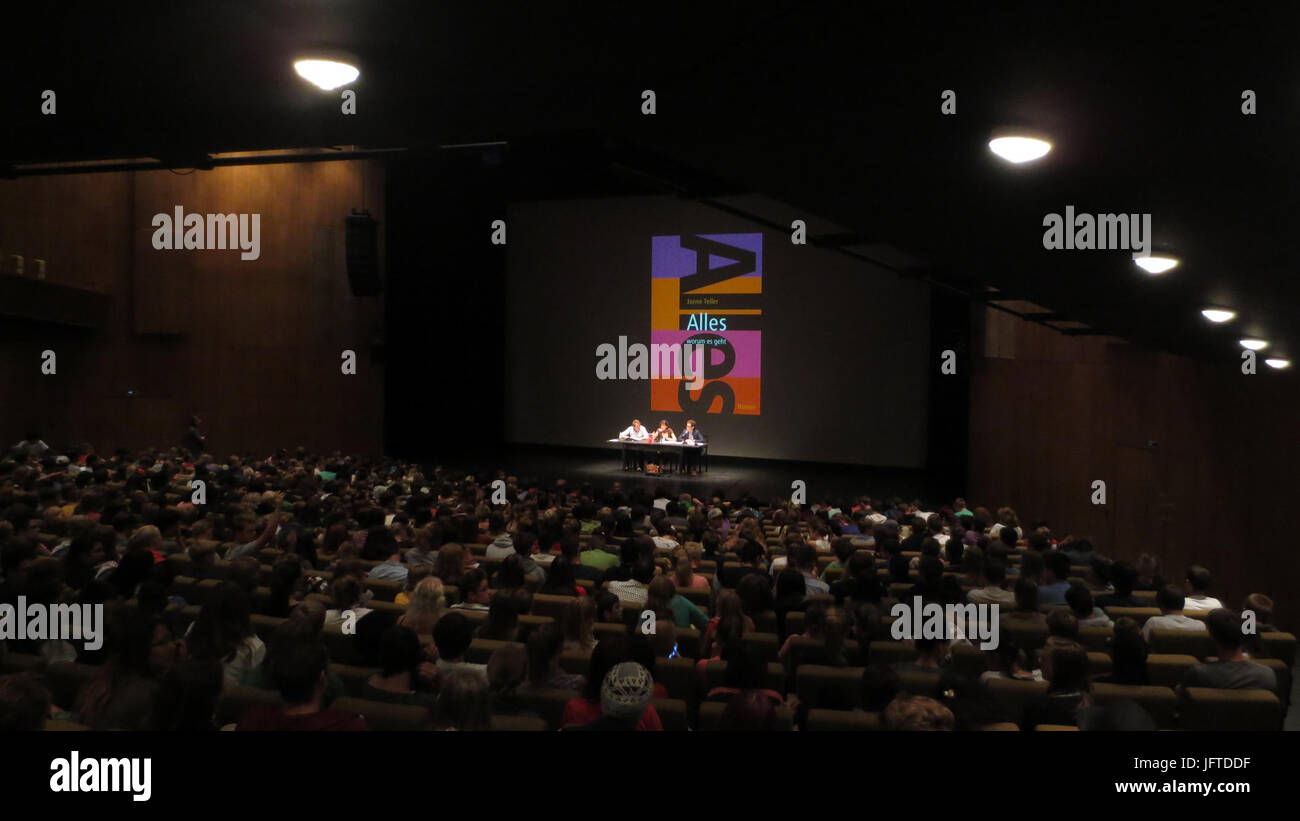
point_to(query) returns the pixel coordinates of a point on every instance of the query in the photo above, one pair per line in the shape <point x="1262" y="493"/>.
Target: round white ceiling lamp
<point x="1219" y="315"/>
<point x="327" y="70"/>
<point x="1019" y="148"/>
<point x="1156" y="263"/>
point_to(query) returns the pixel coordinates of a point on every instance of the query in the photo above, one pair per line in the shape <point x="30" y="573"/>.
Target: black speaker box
<point x="363" y="255"/>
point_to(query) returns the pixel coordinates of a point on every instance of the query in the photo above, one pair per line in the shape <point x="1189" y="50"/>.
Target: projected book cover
<point x="707" y="290"/>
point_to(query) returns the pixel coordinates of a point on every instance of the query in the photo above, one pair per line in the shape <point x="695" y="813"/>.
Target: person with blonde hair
<point x="424" y="610"/>
<point x="687" y="577"/>
<point x="578" y="623"/>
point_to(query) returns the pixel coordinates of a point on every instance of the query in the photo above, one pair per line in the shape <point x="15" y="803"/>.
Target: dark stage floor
<point x="731" y="476"/>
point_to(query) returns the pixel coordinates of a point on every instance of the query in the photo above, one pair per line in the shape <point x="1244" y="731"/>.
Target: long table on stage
<point x="680" y="448"/>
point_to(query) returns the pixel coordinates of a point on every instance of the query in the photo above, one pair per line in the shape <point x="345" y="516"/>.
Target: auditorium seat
<point x="480" y="650"/>
<point x="518" y="724"/>
<point x="383" y="589"/>
<point x="1028" y="636"/>
<point x="529" y="621"/>
<point x="968" y="660"/>
<point x="1283" y="674"/>
<point x="813" y="651"/>
<point x="843" y="721"/>
<point x="1096" y="638"/>
<point x="767" y="623"/>
<point x="386" y="607"/>
<point x="547" y="605"/>
<point x="1145" y="596"/>
<point x="688" y="642"/>
<point x="679" y="677"/>
<point x="891" y="652"/>
<point x="1279" y="646"/>
<point x="699" y="596"/>
<point x="1001" y="727"/>
<point x="919" y="682"/>
<point x="767" y="644"/>
<point x="1056" y="728"/>
<point x="235" y="700"/>
<point x="836" y="687"/>
<point x="53" y="725"/>
<point x="1182" y="642"/>
<point x="547" y="703"/>
<point x="1167" y="669"/>
<point x="1202" y="708"/>
<point x="715" y="675"/>
<point x="1138" y="614"/>
<point x="386" y="717"/>
<point x="604" y="628"/>
<point x="1014" y="694"/>
<point x="575" y="661"/>
<point x="187" y="588"/>
<point x="711" y="717"/>
<point x="1160" y="702"/>
<point x="1099" y="664"/>
<point x="672" y="714"/>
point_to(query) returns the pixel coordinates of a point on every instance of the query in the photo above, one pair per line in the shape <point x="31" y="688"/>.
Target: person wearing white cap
<point x="626" y="691"/>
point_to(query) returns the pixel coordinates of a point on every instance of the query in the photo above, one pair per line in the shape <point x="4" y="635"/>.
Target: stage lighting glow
<point x="1219" y="314"/>
<point x="326" y="74"/>
<point x="1019" y="149"/>
<point x="1278" y="364"/>
<point x="1155" y="264"/>
<point x="1254" y="344"/>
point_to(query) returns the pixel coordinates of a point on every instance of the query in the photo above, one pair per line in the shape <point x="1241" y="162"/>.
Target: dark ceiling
<point x="834" y="109"/>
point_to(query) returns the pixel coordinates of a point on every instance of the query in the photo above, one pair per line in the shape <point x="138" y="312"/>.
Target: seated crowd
<point x="309" y="591"/>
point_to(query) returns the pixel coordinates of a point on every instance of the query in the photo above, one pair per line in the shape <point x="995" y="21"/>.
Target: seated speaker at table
<point x="691" y="436"/>
<point x="663" y="433"/>
<point x="635" y="432"/>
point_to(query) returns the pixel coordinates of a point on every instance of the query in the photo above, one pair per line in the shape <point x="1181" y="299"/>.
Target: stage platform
<point x="729" y="475"/>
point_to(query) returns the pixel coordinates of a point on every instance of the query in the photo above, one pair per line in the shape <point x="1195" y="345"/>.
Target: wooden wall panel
<point x="252" y="346"/>
<point x="1048" y="417"/>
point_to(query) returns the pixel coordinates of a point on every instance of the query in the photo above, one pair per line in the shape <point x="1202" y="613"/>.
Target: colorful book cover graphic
<point x="707" y="290"/>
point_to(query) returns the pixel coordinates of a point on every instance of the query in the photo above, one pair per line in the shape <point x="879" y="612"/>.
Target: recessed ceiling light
<point x="1019" y="149"/>
<point x="1254" y="344"/>
<point x="1219" y="314"/>
<point x="1155" y="264"/>
<point x="326" y="74"/>
<point x="1279" y="364"/>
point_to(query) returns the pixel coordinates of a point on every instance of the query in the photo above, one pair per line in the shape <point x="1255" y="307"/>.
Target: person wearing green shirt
<point x="662" y="596"/>
<point x="596" y="555"/>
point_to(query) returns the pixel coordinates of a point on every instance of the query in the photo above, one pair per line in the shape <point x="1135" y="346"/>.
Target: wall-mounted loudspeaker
<point x="363" y="254"/>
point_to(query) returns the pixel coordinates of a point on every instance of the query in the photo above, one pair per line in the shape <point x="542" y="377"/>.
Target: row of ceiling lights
<point x="329" y="73"/>
<point x="1021" y="149"/>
